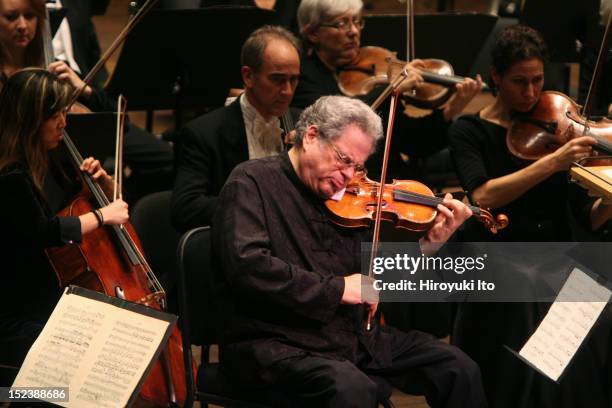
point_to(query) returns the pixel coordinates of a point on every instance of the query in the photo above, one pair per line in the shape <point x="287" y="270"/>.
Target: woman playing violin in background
<point x="36" y="183"/>
<point x="331" y="30"/>
<point x="537" y="199"/>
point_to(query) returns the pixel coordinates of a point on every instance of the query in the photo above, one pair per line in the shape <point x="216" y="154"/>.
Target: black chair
<point x="150" y="217"/>
<point x="194" y="283"/>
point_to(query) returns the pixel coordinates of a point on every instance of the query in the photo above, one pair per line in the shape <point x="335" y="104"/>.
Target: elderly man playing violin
<point x="331" y="30"/>
<point x="289" y="292"/>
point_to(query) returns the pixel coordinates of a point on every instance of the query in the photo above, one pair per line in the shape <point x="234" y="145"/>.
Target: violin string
<point x="423" y="199"/>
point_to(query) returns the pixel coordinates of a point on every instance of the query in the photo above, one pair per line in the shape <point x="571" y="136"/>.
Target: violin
<point x="553" y="121"/>
<point x="408" y="204"/>
<point x="556" y="119"/>
<point x="373" y="65"/>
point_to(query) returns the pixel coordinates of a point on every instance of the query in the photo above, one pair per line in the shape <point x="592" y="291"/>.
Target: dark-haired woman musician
<point x="36" y="183"/>
<point x="539" y="201"/>
<point x="21" y="46"/>
<point x="534" y="196"/>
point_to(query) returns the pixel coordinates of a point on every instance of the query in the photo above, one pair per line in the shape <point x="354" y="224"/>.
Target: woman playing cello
<point x="36" y="182"/>
<point x="21" y="45"/>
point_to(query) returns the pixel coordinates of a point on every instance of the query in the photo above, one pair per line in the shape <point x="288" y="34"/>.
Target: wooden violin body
<point x="358" y="205"/>
<point x="554" y="121"/>
<point x="374" y="64"/>
<point x="408" y="204"/>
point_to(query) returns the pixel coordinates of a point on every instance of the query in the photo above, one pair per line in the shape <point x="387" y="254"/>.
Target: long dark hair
<point x="28" y="99"/>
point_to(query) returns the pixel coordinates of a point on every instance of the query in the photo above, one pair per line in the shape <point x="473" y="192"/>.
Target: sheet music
<point x="567" y="323"/>
<point x="98" y="350"/>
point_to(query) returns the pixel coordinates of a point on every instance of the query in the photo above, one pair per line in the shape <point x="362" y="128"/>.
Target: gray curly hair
<point x="315" y="12"/>
<point x="332" y="114"/>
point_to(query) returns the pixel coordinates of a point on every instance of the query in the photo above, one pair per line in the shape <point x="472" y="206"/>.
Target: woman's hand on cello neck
<point x="93" y="167"/>
<point x="66" y="74"/>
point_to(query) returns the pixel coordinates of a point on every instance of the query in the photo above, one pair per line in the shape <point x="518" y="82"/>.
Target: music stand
<point x="93" y="134"/>
<point x="184" y="58"/>
<point x="560" y="25"/>
<point x="464" y="35"/>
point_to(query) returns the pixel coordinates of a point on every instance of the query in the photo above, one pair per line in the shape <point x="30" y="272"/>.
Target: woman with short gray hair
<point x="331" y="30"/>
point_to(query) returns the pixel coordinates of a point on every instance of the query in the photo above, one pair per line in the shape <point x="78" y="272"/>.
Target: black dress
<point x="29" y="225"/>
<point x="543" y="213"/>
<point x="481" y="330"/>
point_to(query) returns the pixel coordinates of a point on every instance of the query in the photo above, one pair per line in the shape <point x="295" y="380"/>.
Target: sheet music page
<point x="97" y="350"/>
<point x="567" y="323"/>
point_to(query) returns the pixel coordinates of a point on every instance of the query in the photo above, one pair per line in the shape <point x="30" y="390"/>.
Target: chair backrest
<point x="151" y="220"/>
<point x="195" y="286"/>
<point x="195" y="303"/>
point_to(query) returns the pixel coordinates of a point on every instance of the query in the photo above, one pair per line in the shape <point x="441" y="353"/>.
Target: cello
<point x="110" y="260"/>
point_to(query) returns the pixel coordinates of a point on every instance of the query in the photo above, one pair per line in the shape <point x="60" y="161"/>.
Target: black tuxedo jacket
<point x="211" y="146"/>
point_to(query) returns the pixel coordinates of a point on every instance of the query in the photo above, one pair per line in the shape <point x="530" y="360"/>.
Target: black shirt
<point x="479" y="151"/>
<point x="29" y="226"/>
<point x="282" y="264"/>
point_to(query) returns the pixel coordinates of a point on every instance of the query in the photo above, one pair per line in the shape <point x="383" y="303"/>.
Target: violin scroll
<point x="493" y="224"/>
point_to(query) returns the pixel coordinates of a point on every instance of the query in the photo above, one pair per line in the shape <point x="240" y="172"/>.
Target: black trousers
<point x="421" y="365"/>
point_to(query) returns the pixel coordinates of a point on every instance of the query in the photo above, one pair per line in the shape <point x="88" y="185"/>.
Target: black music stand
<point x="93" y="134"/>
<point x="454" y="37"/>
<point x="560" y="25"/>
<point x="184" y="58"/>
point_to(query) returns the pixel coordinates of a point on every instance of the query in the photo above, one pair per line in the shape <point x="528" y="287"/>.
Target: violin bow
<point x="394" y="93"/>
<point x="121" y="113"/>
<point x="603" y="49"/>
<point x="410" y="52"/>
